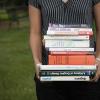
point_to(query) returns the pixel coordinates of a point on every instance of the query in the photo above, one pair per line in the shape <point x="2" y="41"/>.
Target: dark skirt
<point x="67" y="90"/>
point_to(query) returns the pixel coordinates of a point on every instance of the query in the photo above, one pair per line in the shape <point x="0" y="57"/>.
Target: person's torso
<point x="72" y="12"/>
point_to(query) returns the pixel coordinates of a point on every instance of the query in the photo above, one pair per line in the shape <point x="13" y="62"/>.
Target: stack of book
<point x="70" y="57"/>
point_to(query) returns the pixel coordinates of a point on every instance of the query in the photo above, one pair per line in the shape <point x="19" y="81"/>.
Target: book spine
<point x="78" y="37"/>
<point x="49" y="32"/>
<point x="71" y="60"/>
<point x="51" y="25"/>
<point x="67" y="73"/>
<point x="70" y="29"/>
<point x="64" y="78"/>
<point x="65" y="43"/>
<point x="72" y="49"/>
<point x="67" y="67"/>
<point x="52" y="60"/>
<point x="70" y="52"/>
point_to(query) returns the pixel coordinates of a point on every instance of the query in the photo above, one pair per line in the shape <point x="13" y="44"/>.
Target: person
<point x="65" y="12"/>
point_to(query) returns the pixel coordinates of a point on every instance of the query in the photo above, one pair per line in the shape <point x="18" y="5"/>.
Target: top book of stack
<point x="65" y="30"/>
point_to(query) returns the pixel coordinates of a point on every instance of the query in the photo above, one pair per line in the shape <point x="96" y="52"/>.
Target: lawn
<point x="16" y="65"/>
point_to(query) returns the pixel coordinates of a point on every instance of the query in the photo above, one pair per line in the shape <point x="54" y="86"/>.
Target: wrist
<point x="38" y="64"/>
<point x="98" y="59"/>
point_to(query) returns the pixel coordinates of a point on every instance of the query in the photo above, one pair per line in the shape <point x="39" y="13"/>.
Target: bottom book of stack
<point x="67" y="72"/>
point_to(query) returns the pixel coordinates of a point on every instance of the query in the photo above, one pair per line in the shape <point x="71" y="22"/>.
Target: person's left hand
<point x="97" y="75"/>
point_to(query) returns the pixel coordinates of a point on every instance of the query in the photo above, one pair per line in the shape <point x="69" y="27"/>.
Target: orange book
<point x="71" y="60"/>
<point x="59" y="59"/>
<point x="77" y="60"/>
<point x="64" y="60"/>
<point x="90" y="60"/>
<point x="52" y="60"/>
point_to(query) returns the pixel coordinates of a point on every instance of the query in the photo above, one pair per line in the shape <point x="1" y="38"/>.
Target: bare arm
<point x="35" y="36"/>
<point x="97" y="21"/>
<point x="35" y="33"/>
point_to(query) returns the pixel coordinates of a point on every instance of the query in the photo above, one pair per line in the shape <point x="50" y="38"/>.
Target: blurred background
<point x="16" y="64"/>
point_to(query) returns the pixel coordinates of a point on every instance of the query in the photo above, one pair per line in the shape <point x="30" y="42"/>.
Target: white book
<point x="69" y="25"/>
<point x="67" y="43"/>
<point x="71" y="49"/>
<point x="78" y="37"/>
<point x="69" y="31"/>
<point x="67" y="67"/>
<point x="64" y="78"/>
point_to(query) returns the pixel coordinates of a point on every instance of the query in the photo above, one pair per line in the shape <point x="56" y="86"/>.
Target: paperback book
<point x="65" y="78"/>
<point x="67" y="43"/>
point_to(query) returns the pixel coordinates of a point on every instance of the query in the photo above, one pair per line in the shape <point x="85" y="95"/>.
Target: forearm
<point x="98" y="44"/>
<point x="36" y="47"/>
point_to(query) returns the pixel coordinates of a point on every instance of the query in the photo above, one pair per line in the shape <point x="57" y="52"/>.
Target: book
<point x="69" y="31"/>
<point x="71" y="52"/>
<point x="67" y="43"/>
<point x="67" y="67"/>
<point x="52" y="60"/>
<point x="69" y="25"/>
<point x="65" y="78"/>
<point x="62" y="29"/>
<point x="71" y="60"/>
<point x="72" y="49"/>
<point x="68" y="73"/>
<point x="78" y="37"/>
<point x="81" y="60"/>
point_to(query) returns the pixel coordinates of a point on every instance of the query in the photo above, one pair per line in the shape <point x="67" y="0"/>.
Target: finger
<point x="96" y="78"/>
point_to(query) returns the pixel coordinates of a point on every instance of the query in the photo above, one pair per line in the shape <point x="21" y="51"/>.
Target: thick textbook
<point x="68" y="73"/>
<point x="71" y="59"/>
<point x="67" y="67"/>
<point x="67" y="43"/>
<point x="65" y="78"/>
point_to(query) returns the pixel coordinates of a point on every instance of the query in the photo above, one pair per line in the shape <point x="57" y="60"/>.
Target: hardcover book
<point x="71" y="60"/>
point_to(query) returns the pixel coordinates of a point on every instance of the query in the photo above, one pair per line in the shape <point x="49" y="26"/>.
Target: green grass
<point x="16" y="65"/>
